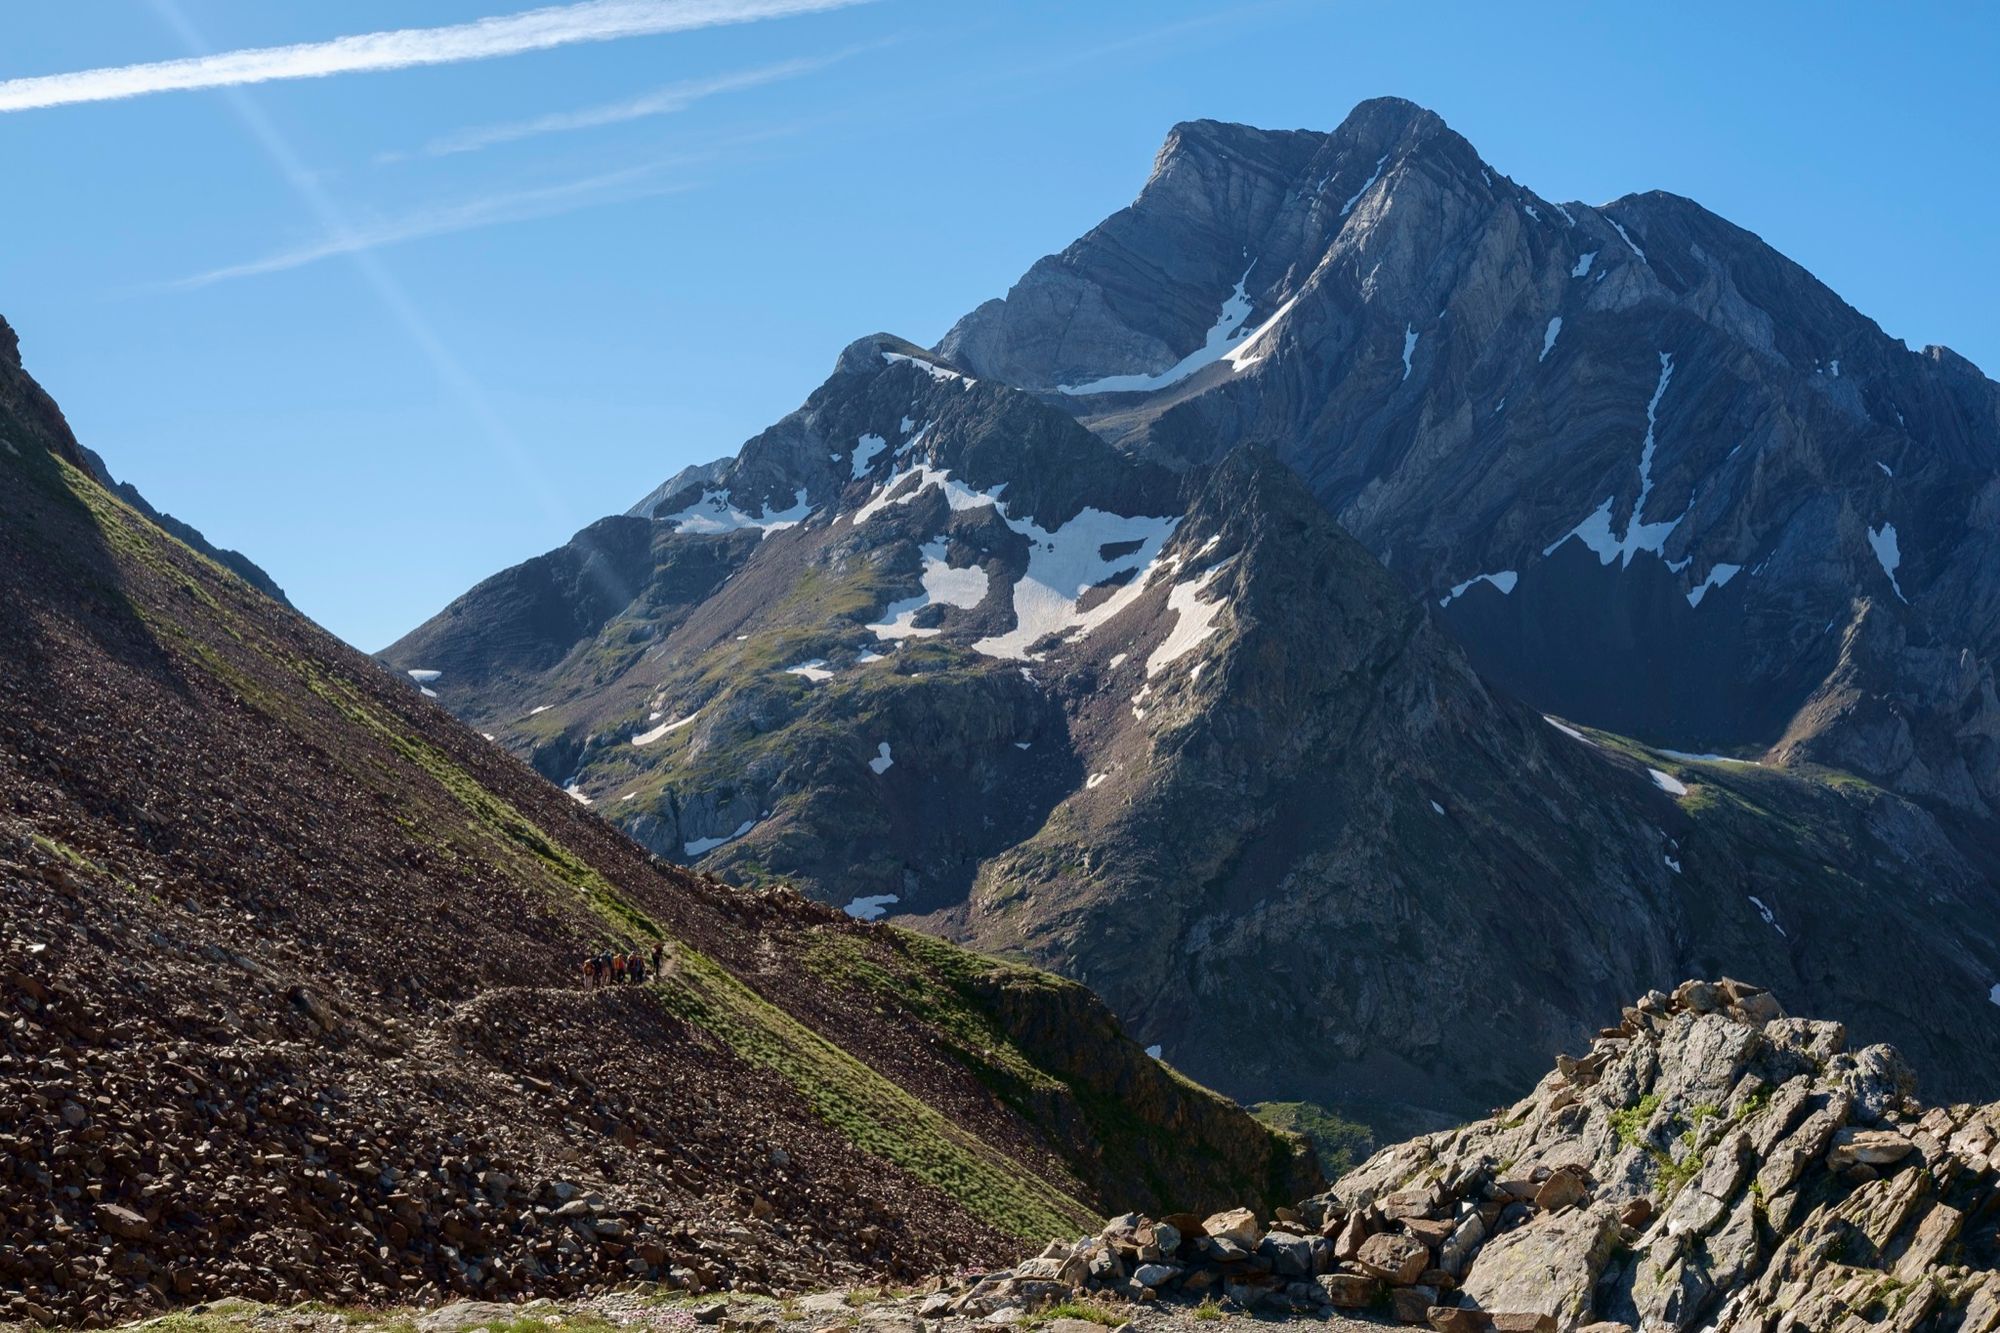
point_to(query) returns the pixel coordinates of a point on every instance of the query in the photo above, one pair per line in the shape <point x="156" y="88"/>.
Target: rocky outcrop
<point x="1707" y="1163"/>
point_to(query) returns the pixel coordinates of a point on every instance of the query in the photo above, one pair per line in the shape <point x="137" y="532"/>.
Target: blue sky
<point x="390" y="330"/>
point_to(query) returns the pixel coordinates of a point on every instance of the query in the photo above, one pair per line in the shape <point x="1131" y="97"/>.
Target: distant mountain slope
<point x="289" y="974"/>
<point x="929" y="647"/>
<point x="1657" y="476"/>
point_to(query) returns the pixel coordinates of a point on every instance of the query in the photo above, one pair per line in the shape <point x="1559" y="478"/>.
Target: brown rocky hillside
<point x="290" y="1003"/>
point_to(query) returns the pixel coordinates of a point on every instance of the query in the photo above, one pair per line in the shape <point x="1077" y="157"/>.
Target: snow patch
<point x="1194" y="620"/>
<point x="931" y="368"/>
<point x="871" y="908"/>
<point x="702" y="846"/>
<point x="882" y="762"/>
<point x="943" y="585"/>
<point x="1154" y="1050"/>
<point x="1437" y="808"/>
<point x="1629" y="243"/>
<point x="1228" y="324"/>
<point x="1239" y="357"/>
<point x="1373" y="176"/>
<point x="1887" y="471"/>
<point x="1717" y="576"/>
<point x="1095" y="780"/>
<point x="1595" y="531"/>
<point x="1065" y="564"/>
<point x="424" y="675"/>
<point x="1771" y="918"/>
<point x="867" y="655"/>
<point x="665" y="728"/>
<point x="1504" y="580"/>
<point x="957" y="495"/>
<point x="540" y="708"/>
<point x="1549" y="337"/>
<point x="1994" y="994"/>
<point x="1672" y="864"/>
<point x="1883" y="540"/>
<point x="1583" y="262"/>
<point x="1409" y="347"/>
<point x="865" y="450"/>
<point x="1118" y="660"/>
<point x="575" y="793"/>
<point x="1567" y="730"/>
<point x="715" y="512"/>
<point x="1667" y="782"/>
<point x="814" y="670"/>
<point x="1685" y="757"/>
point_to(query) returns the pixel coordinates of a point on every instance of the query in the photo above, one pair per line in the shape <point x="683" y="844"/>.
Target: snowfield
<point x="715" y="513"/>
<point x="702" y="846"/>
<point x="870" y="909"/>
<point x="1194" y="620"/>
<point x="1228" y="324"/>
<point x="665" y="728"/>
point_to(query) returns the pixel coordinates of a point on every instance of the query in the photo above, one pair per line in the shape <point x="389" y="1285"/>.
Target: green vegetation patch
<point x="1342" y="1144"/>
<point x="874" y="1113"/>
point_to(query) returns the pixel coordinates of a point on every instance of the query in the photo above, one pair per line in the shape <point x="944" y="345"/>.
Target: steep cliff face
<point x="1170" y="731"/>
<point x="1657" y="476"/>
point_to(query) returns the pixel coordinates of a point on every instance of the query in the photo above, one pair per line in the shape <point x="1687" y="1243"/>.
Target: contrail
<point x="660" y="102"/>
<point x="482" y="39"/>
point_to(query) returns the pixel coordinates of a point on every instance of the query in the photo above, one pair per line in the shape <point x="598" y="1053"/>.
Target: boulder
<point x="1237" y="1225"/>
<point x="1350" y="1291"/>
<point x="1550" y="1266"/>
<point x="1290" y="1255"/>
<point x="1870" y="1147"/>
<point x="1399" y="1260"/>
<point x="468" y="1314"/>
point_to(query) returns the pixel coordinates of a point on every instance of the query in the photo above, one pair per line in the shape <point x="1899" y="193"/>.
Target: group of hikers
<point x="620" y="969"/>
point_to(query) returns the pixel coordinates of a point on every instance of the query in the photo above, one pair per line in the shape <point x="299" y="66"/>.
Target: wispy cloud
<point x="660" y="102"/>
<point x="623" y="186"/>
<point x="483" y="39"/>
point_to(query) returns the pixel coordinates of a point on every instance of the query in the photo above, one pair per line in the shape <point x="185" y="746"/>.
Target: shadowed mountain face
<point x="290" y="1000"/>
<point x="1657" y="476"/>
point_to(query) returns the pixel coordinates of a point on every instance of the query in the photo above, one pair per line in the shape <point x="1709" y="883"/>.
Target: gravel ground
<point x="859" y="1311"/>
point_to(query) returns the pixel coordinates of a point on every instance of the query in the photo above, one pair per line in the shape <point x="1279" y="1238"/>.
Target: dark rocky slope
<point x="289" y="1000"/>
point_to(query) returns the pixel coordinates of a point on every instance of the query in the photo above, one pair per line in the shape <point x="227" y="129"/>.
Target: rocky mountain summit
<point x="929" y="647"/>
<point x="291" y="1005"/>
<point x="1708" y="1163"/>
<point x="1657" y="476"/>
